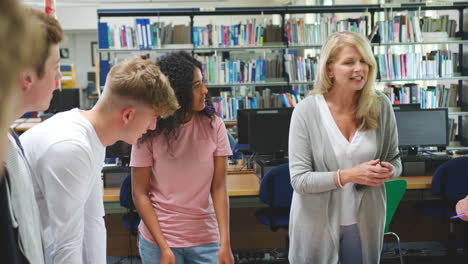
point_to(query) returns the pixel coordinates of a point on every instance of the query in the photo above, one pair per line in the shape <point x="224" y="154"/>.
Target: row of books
<point x="249" y="34"/>
<point x="442" y="24"/>
<point x="303" y="89"/>
<point x="299" y="33"/>
<point x="434" y="64"/>
<point x="427" y="97"/>
<point x="410" y="29"/>
<point x="452" y="129"/>
<point x="219" y="71"/>
<point x="437" y="63"/>
<point x="300" y="69"/>
<point x="227" y="105"/>
<point x="400" y="29"/>
<point x="117" y="37"/>
<point x="142" y="35"/>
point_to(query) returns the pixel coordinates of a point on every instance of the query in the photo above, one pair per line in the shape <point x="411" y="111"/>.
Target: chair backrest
<point x="126" y="199"/>
<point x="275" y="187"/>
<point x="395" y="190"/>
<point x="451" y="179"/>
<point x="232" y="141"/>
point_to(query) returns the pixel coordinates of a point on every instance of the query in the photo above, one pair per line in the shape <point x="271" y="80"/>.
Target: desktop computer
<point x="117" y="160"/>
<point x="263" y="165"/>
<point x="266" y="132"/>
<point x="418" y="128"/>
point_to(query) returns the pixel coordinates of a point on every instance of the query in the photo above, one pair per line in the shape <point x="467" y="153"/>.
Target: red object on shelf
<point x="49" y="7"/>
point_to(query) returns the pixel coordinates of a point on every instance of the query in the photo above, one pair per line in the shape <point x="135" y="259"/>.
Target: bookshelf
<point x="371" y="15"/>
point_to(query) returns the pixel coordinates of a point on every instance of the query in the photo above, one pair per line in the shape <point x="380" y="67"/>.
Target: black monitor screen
<point x="119" y="149"/>
<point x="55" y="103"/>
<point x="64" y="100"/>
<point x="243" y="125"/>
<point x="70" y="98"/>
<point x="423" y="127"/>
<point x="269" y="130"/>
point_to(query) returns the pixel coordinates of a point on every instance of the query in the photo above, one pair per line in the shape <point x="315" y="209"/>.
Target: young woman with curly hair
<point x="179" y="176"/>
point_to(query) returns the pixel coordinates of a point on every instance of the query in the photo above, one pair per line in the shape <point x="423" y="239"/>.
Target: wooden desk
<point x="418" y="182"/>
<point x="245" y="184"/>
<point x="23" y="124"/>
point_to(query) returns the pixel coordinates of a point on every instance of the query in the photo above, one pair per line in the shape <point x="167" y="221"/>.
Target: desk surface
<point x="418" y="182"/>
<point x="247" y="184"/>
<point x="244" y="184"/>
<point x="23" y="124"/>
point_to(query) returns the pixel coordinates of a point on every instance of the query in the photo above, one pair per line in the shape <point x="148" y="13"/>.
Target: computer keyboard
<point x="425" y="157"/>
<point x="458" y="152"/>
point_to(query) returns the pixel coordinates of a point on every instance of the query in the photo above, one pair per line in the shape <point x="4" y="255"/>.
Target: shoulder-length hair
<point x="178" y="68"/>
<point x="367" y="110"/>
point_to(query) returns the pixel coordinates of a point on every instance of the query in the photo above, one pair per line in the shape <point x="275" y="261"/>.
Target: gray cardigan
<point x="315" y="215"/>
<point x="22" y="204"/>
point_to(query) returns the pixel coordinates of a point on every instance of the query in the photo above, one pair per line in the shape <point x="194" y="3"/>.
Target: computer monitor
<point x="422" y="128"/>
<point x="243" y="126"/>
<point x="55" y="103"/>
<point x="70" y="98"/>
<point x="406" y="107"/>
<point x="64" y="100"/>
<point x="119" y="150"/>
<point x="268" y="130"/>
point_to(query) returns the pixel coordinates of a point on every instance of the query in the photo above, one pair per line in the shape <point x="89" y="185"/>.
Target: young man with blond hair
<point x="67" y="152"/>
<point x="20" y="220"/>
<point x="15" y="55"/>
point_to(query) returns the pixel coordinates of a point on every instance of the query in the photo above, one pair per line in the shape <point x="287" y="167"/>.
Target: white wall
<point x="79" y="45"/>
<point x="81" y="15"/>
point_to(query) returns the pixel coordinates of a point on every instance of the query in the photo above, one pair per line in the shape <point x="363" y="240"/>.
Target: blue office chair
<point x="276" y="191"/>
<point x="450" y="183"/>
<point x="234" y="146"/>
<point x="131" y="220"/>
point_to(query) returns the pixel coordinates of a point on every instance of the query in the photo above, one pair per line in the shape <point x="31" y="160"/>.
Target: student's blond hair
<point x="367" y="111"/>
<point x="51" y="32"/>
<point x="140" y="80"/>
<point x="19" y="46"/>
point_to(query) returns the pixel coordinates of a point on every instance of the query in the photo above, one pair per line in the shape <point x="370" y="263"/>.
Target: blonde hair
<point x="367" y="111"/>
<point x="141" y="80"/>
<point x="20" y="43"/>
<point x="51" y="32"/>
<point x="18" y="50"/>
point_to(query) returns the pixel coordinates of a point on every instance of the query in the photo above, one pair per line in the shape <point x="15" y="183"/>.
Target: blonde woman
<point x="340" y="139"/>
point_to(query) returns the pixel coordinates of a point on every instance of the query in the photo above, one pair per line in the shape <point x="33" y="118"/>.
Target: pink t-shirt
<point x="181" y="180"/>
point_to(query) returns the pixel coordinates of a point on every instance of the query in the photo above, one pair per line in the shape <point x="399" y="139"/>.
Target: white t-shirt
<point x="362" y="148"/>
<point x="66" y="157"/>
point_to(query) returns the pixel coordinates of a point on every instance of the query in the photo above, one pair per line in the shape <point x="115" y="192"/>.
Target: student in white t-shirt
<point x="67" y="151"/>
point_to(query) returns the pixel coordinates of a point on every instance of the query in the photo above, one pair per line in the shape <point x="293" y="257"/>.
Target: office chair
<point x="92" y="92"/>
<point x="276" y="191"/>
<point x="234" y="146"/>
<point x="395" y="189"/>
<point x="450" y="183"/>
<point x="131" y="219"/>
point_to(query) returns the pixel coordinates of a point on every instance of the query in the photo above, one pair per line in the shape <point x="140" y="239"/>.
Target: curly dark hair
<point x="178" y="67"/>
